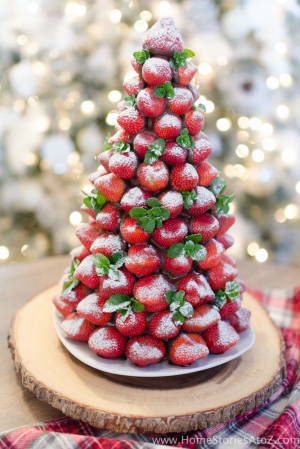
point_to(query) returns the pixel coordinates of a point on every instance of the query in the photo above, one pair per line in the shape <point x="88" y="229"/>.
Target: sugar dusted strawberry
<point x="62" y="306"/>
<point x="242" y="285"/>
<point x="215" y="251"/>
<point x="197" y="289"/>
<point x="202" y="150"/>
<point x="194" y="121"/>
<point x="78" y="328"/>
<point x="207" y="173"/>
<point x="164" y="35"/>
<point x="225" y="222"/>
<point x="132" y="233"/>
<point x="135" y="197"/>
<point x="108" y="217"/>
<point x="120" y="135"/>
<point x="74" y="296"/>
<point x="229" y="259"/>
<point x="206" y="225"/>
<point x="86" y="272"/>
<point x="240" y="320"/>
<point x="141" y="143"/>
<point x="148" y="104"/>
<point x="111" y="186"/>
<point x="203" y="318"/>
<point x="104" y="157"/>
<point x="162" y="325"/>
<point x="150" y="291"/>
<point x="142" y="260"/>
<point x="131" y="120"/>
<point x="145" y="350"/>
<point x="107" y="342"/>
<point x="87" y="233"/>
<point x="91" y="308"/>
<point x="88" y="211"/>
<point x="134" y="324"/>
<point x="135" y="64"/>
<point x="123" y="285"/>
<point x="181" y="102"/>
<point x="123" y="165"/>
<point x="184" y="177"/>
<point x="156" y="71"/>
<point x="168" y="126"/>
<point x="230" y="307"/>
<point x="220" y="337"/>
<point x="97" y="174"/>
<point x="121" y="107"/>
<point x="219" y="275"/>
<point x="171" y="200"/>
<point x="187" y="348"/>
<point x="227" y="240"/>
<point x="174" y="154"/>
<point x="154" y="177"/>
<point x="173" y="230"/>
<point x="186" y="74"/>
<point x="204" y="201"/>
<point x="133" y="85"/>
<point x="178" y="265"/>
<point x="79" y="253"/>
<point x="107" y="244"/>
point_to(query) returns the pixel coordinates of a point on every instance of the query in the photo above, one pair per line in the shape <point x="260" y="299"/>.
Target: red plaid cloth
<point x="275" y="424"/>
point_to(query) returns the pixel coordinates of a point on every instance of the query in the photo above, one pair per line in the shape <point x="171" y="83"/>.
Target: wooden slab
<point x="131" y="404"/>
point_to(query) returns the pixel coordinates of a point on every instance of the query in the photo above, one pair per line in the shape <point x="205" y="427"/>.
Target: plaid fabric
<point x="275" y="424"/>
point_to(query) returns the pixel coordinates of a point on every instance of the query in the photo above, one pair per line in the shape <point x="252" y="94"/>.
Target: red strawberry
<point x="184" y="177"/>
<point x="135" y="64"/>
<point x="187" y="348"/>
<point x="135" y="197"/>
<point x="145" y="350"/>
<point x="154" y="177"/>
<point x="156" y="71"/>
<point x="242" y="285"/>
<point x="215" y="251"/>
<point x="204" y="201"/>
<point x="219" y="275"/>
<point x="111" y="186"/>
<point x="107" y="342"/>
<point x="86" y="272"/>
<point x="225" y="222"/>
<point x="178" y="265"/>
<point x="226" y="240"/>
<point x="174" y="154"/>
<point x="131" y="120"/>
<point x="62" y="306"/>
<point x="194" y="121"/>
<point x="229" y="259"/>
<point x="240" y="320"/>
<point x="123" y="165"/>
<point x="91" y="308"/>
<point x="104" y="157"/>
<point x="108" y="217"/>
<point x="203" y="318"/>
<point x="207" y="173"/>
<point x="182" y="102"/>
<point x="230" y="307"/>
<point x="135" y="323"/>
<point x="132" y="233"/>
<point x="107" y="244"/>
<point x="79" y="253"/>
<point x="133" y="85"/>
<point x="88" y="211"/>
<point x="97" y="174"/>
<point x="171" y="200"/>
<point x="151" y="290"/>
<point x="120" y="135"/>
<point x="148" y="104"/>
<point x="201" y="151"/>
<point x="205" y="224"/>
<point x="121" y="107"/>
<point x="187" y="74"/>
<point x="123" y="285"/>
<point x="162" y="325"/>
<point x="141" y="143"/>
<point x="173" y="230"/>
<point x="164" y="35"/>
<point x="197" y="289"/>
<point x="168" y="126"/>
<point x="220" y="337"/>
<point x="87" y="233"/>
<point x="77" y="327"/>
<point x="142" y="260"/>
<point x="76" y="295"/>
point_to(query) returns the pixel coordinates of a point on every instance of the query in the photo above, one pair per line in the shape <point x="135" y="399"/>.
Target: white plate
<point x="82" y="352"/>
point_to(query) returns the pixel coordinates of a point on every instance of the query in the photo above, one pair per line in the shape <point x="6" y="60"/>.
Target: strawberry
<point x="104" y="157"/>
<point x="178" y="265"/>
<point x="230" y="260"/>
<point x="151" y="290"/>
<point x="187" y="348"/>
<point x="205" y="224"/>
<point x="145" y="350"/>
<point x="133" y="85"/>
<point x="207" y="173"/>
<point x="164" y="35"/>
<point x="173" y="230"/>
<point x="100" y="172"/>
<point x="91" y="308"/>
<point x="204" y="201"/>
<point x="87" y="233"/>
<point x="182" y="102"/>
<point x="156" y="71"/>
<point x="120" y="135"/>
<point x="242" y="285"/>
<point x="230" y="307"/>
<point x="203" y="318"/>
<point x="203" y="149"/>
<point x="62" y="306"/>
<point x="186" y="74"/>
<point x="123" y="165"/>
<point x="135" y="197"/>
<point x="74" y="296"/>
<point x="225" y="222"/>
<point x="108" y="217"/>
<point x="148" y="104"/>
<point x="154" y="177"/>
<point x="194" y="121"/>
<point x="107" y="244"/>
<point x="141" y="143"/>
<point x="184" y="177"/>
<point x="220" y="337"/>
<point x="132" y="233"/>
<point x="162" y="325"/>
<point x="174" y="154"/>
<point x="111" y="186"/>
<point x="76" y="327"/>
<point x="240" y="320"/>
<point x="131" y="120"/>
<point x="88" y="211"/>
<point x="219" y="275"/>
<point x="142" y="260"/>
<point x="197" y="289"/>
<point x="79" y="253"/>
<point x="226" y="240"/>
<point x="86" y="272"/>
<point x="135" y="64"/>
<point x="121" y="107"/>
<point x="171" y="200"/>
<point x="193" y="89"/>
<point x="134" y="324"/>
<point x="107" y="342"/>
<point x="168" y="126"/>
<point x="215" y="251"/>
<point x="123" y="285"/>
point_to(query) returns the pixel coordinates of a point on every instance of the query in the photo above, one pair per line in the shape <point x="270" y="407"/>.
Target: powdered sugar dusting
<point x="99" y="341"/>
<point x="144" y="351"/>
<point x="164" y="35"/>
<point x="72" y="327"/>
<point x="90" y="305"/>
<point x="226" y="334"/>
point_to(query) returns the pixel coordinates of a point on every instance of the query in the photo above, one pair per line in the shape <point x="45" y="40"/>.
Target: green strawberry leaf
<point x="130" y="101"/>
<point x="179" y="59"/>
<point x="200" y="252"/>
<point x="196" y="238"/>
<point x="155" y="151"/>
<point x="165" y="213"/>
<point x="121" y="147"/>
<point x="222" y="204"/>
<point x="111" y="265"/>
<point x="153" y="202"/>
<point x="190" y="53"/>
<point x="188" y="198"/>
<point x="94" y="203"/>
<point x="220" y="299"/>
<point x="187" y="310"/>
<point x="118" y="258"/>
<point x="113" y="273"/>
<point x="175" y="250"/>
<point x="185" y="140"/>
<point x="150" y="158"/>
<point x="178" y="318"/>
<point x="141" y="56"/>
<point x="149" y="225"/>
<point x="232" y="290"/>
<point x="116" y="302"/>
<point x="69" y="285"/>
<point x="169" y="296"/>
<point x="101" y="261"/>
<point x="138" y="212"/>
<point x="202" y="107"/>
<point x="217" y="186"/>
<point x="107" y="146"/>
<point x="159" y="91"/>
<point x="189" y="248"/>
<point x="179" y="296"/>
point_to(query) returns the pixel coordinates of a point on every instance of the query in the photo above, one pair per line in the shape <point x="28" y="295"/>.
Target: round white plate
<point x="83" y="353"/>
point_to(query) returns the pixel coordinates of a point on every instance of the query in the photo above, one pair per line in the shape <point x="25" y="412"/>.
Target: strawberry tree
<point x="178" y="305"/>
<point x="109" y="265"/>
<point x="123" y="304"/>
<point x="189" y="248"/>
<point x="230" y="292"/>
<point x="148" y="219"/>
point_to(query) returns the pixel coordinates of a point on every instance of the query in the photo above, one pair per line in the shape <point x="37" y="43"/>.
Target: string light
<point x="272" y="82"/>
<point x="222" y="60"/>
<point x="266" y="129"/>
<point x="140" y="26"/>
<point x="115" y="16"/>
<point x="111" y="118"/>
<point x="268" y="144"/>
<point x="4" y="252"/>
<point x="285" y="80"/>
<point x="210" y="107"/>
<point x="242" y="150"/>
<point x="279" y="216"/>
<point x="280" y="48"/>
<point x="244" y="122"/>
<point x="146" y="15"/>
<point x="252" y="248"/>
<point x="258" y="155"/>
<point x="282" y="111"/>
<point x="291" y="211"/>
<point x="204" y="68"/>
<point x="297" y="187"/>
<point x="75" y="218"/>
<point x="114" y="96"/>
<point x="224" y="124"/>
<point x="255" y="123"/>
<point x="261" y="255"/>
<point x="87" y="107"/>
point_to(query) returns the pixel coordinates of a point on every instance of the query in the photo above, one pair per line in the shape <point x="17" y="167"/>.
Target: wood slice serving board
<point x="132" y="404"/>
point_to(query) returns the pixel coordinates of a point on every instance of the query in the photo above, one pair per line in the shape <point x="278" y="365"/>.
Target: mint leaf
<point x="118" y="258"/>
<point x="188" y="198"/>
<point x="69" y="285"/>
<point x="130" y="101"/>
<point x="202" y="107"/>
<point x="137" y="212"/>
<point x="189" y="248"/>
<point x="113" y="273"/>
<point x="220" y="299"/>
<point x="149" y="225"/>
<point x="107" y="146"/>
<point x="187" y="310"/>
<point x="101" y="261"/>
<point x="137" y="306"/>
<point x="153" y="202"/>
<point x="179" y="296"/>
<point x="217" y="186"/>
<point x="178" y="318"/>
<point x="165" y="90"/>
<point x="185" y="140"/>
<point x="200" y="252"/>
<point x="111" y="265"/>
<point x="179" y="59"/>
<point x="222" y="204"/>
<point x="116" y="302"/>
<point x="232" y="290"/>
<point x="196" y="238"/>
<point x="141" y="56"/>
<point x="95" y="203"/>
<point x="169" y="296"/>
<point x="159" y="91"/>
<point x="189" y="52"/>
<point x="175" y="250"/>
<point x="155" y="151"/>
<point x="121" y="147"/>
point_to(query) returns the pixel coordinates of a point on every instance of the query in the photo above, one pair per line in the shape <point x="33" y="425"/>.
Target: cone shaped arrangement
<point x="152" y="281"/>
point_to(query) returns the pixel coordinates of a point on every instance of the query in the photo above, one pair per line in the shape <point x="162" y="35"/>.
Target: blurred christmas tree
<point x="62" y="69"/>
